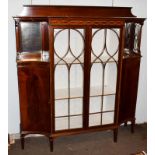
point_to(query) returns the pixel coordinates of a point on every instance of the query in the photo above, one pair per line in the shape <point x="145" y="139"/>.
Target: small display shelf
<point x="61" y="94"/>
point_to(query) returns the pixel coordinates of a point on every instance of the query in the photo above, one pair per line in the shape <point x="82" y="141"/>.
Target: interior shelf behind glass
<point x="78" y="92"/>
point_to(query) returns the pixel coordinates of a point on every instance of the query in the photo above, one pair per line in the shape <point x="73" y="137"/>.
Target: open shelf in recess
<point x="41" y="56"/>
<point x="78" y="92"/>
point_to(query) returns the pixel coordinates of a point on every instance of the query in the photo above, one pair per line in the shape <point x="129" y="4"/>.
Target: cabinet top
<point x="74" y="11"/>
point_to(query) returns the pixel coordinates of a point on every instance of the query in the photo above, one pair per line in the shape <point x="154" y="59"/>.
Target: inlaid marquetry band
<point x="68" y="22"/>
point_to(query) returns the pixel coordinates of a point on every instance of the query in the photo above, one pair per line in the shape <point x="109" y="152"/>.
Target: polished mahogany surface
<point x="130" y="76"/>
<point x="34" y="95"/>
<point x="75" y="11"/>
<point x="37" y="28"/>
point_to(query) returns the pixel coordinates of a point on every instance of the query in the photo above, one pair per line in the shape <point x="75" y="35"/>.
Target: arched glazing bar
<point x="70" y="58"/>
<point x="103" y="56"/>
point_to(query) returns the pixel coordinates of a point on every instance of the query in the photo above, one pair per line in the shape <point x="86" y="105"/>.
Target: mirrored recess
<point x="132" y="37"/>
<point x="31" y="37"/>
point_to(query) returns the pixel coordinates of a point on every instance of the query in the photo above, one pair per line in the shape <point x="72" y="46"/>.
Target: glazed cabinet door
<point x="34" y="92"/>
<point x="67" y="57"/>
<point x="85" y="66"/>
<point x="105" y="69"/>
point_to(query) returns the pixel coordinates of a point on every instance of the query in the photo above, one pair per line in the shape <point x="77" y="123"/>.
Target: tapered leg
<point x="51" y="144"/>
<point x="133" y="126"/>
<point x="115" y="135"/>
<point x="22" y="141"/>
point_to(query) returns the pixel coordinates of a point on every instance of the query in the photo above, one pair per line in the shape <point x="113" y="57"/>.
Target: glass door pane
<point x="68" y="62"/>
<point x="103" y="75"/>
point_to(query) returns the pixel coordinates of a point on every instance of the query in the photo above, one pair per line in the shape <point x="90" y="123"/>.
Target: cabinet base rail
<point x="56" y="135"/>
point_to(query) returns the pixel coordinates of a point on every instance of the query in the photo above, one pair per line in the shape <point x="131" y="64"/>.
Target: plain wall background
<point x="15" y="7"/>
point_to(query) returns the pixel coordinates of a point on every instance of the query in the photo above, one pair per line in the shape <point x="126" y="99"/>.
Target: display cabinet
<point x="78" y="69"/>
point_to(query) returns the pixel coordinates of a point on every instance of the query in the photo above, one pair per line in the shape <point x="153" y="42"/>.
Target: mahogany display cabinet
<point x="78" y="69"/>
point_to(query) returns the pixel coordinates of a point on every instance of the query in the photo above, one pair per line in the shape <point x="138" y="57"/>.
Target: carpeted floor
<point x="98" y="143"/>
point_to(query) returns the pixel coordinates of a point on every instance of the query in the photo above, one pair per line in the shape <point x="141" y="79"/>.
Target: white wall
<point x="139" y="9"/>
<point x="15" y="7"/>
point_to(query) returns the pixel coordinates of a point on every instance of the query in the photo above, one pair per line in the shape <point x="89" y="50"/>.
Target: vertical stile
<point x="52" y="89"/>
<point x="87" y="66"/>
<point x="119" y="72"/>
<point x="17" y="31"/>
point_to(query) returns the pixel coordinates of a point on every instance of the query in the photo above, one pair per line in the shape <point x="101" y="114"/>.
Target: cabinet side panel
<point x="129" y="88"/>
<point x="34" y="98"/>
